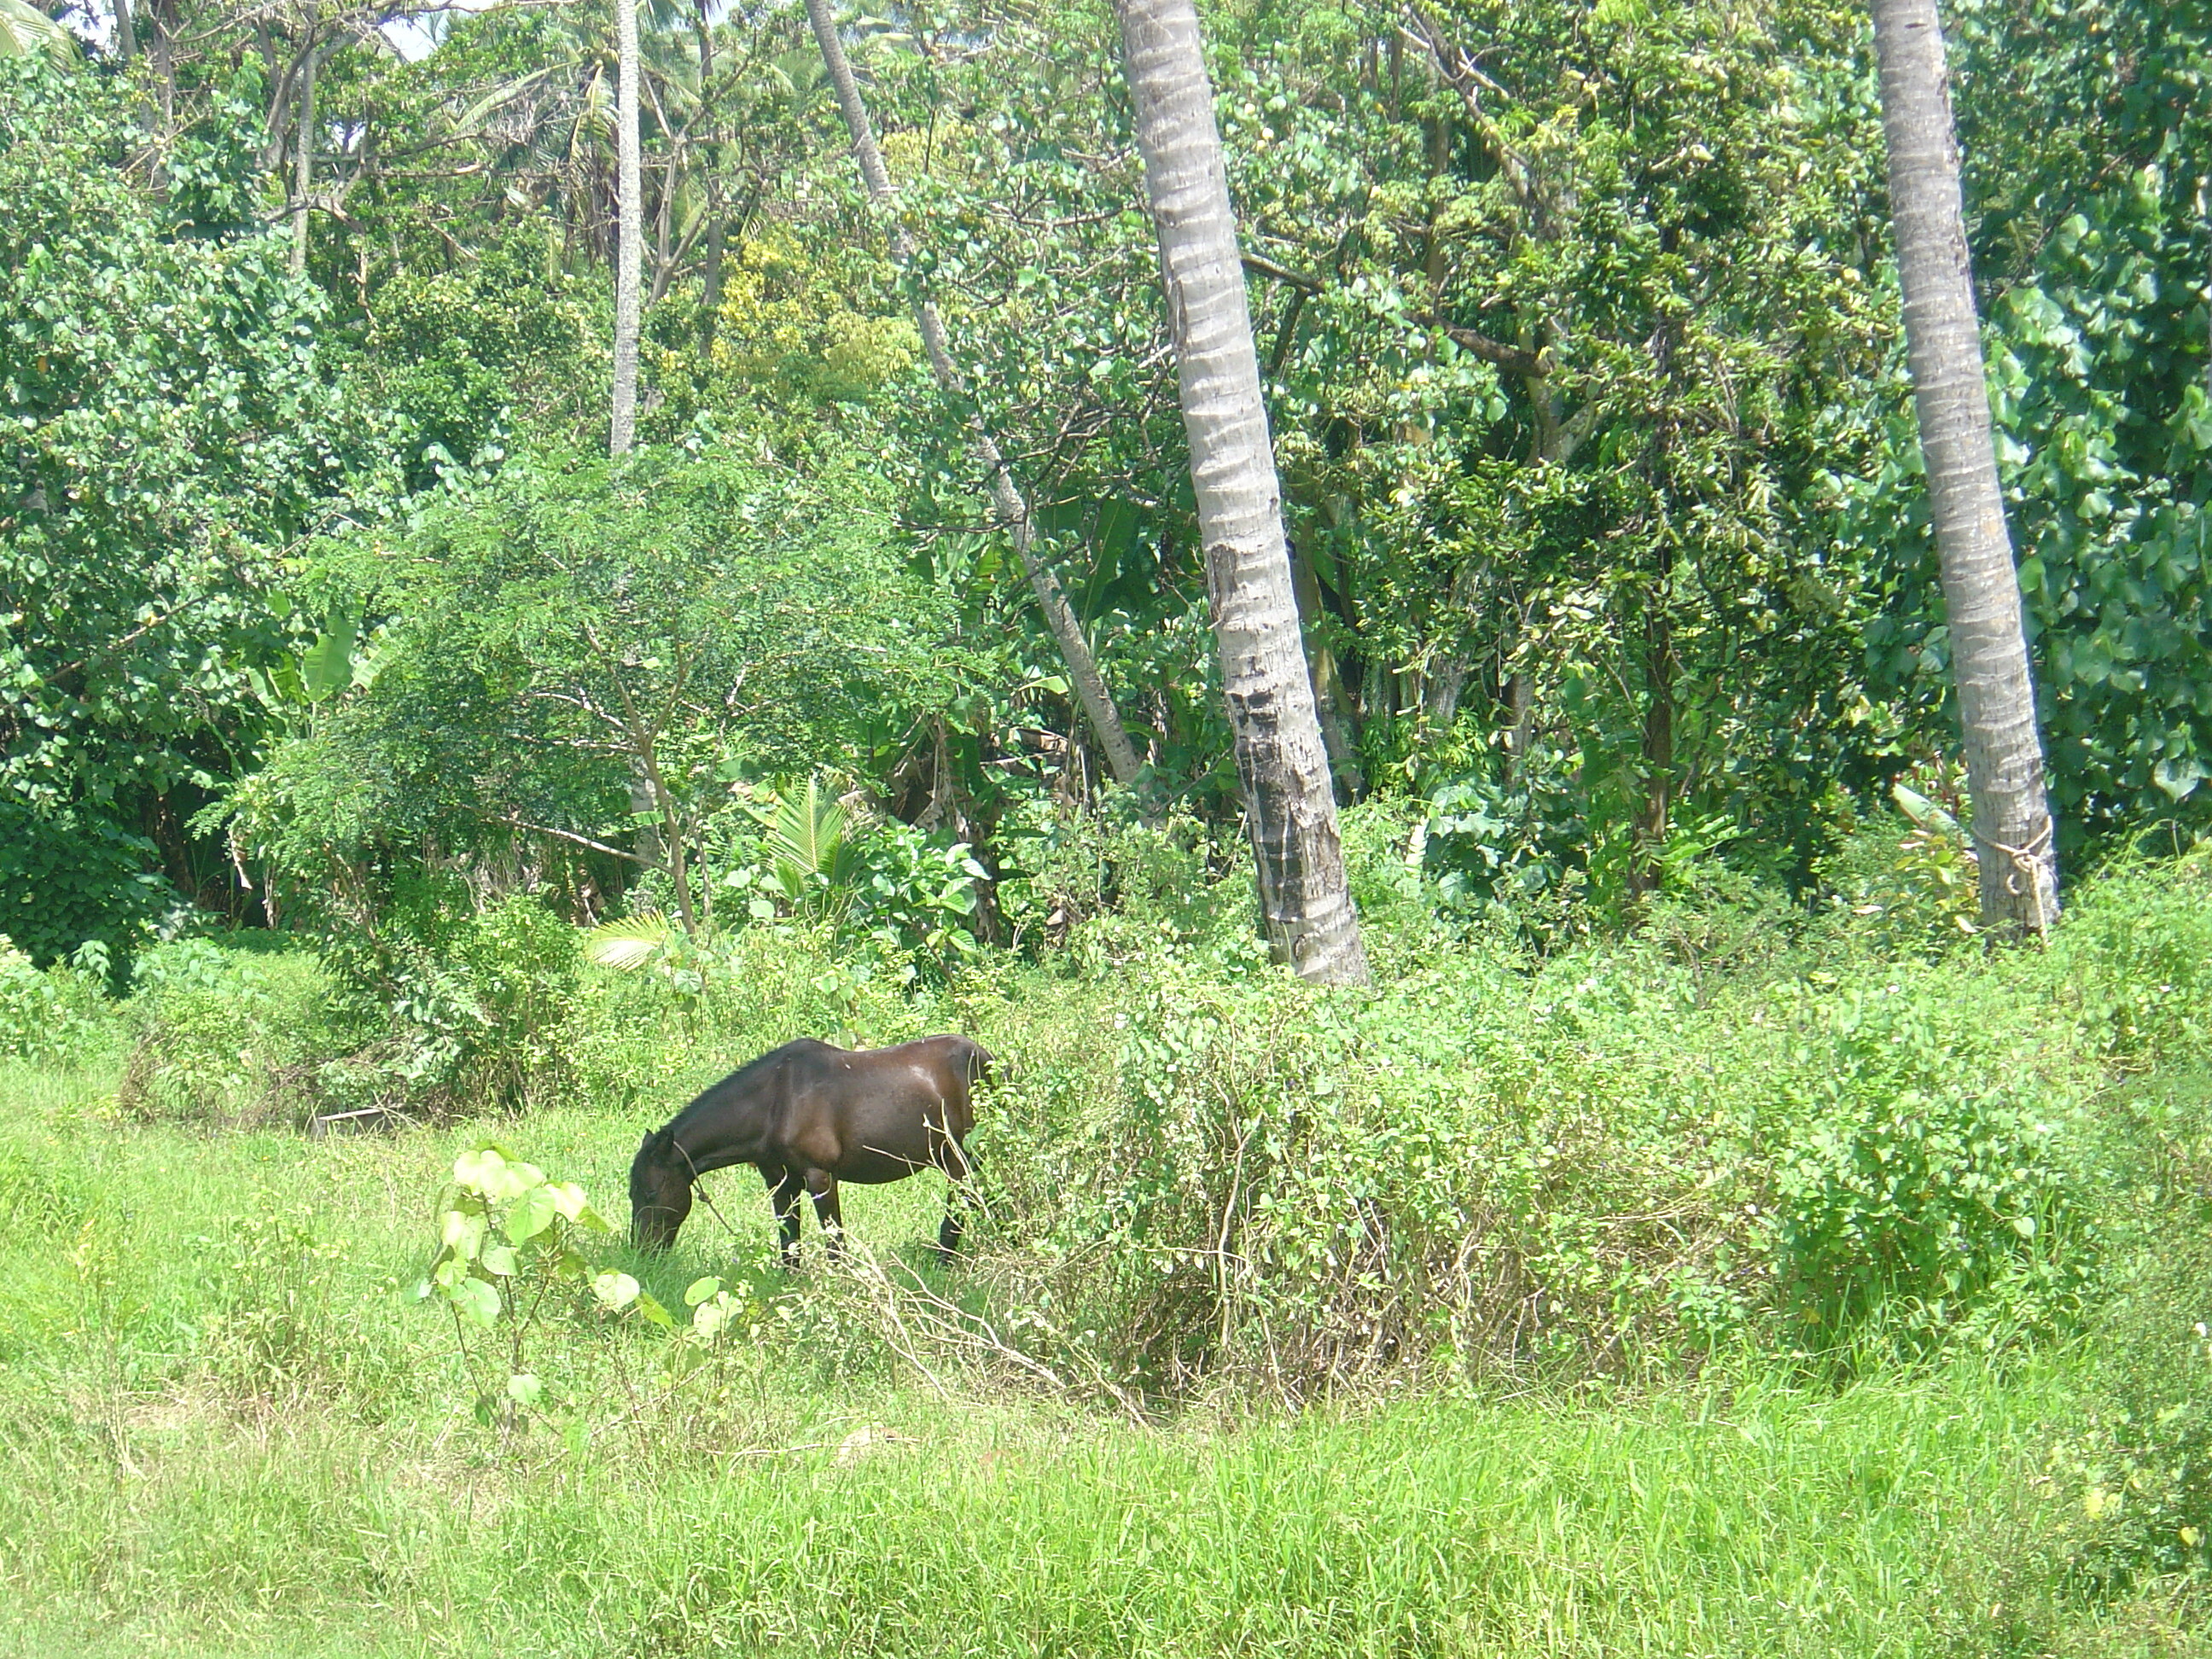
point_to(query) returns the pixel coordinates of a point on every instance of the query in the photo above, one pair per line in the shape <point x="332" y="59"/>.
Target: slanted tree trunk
<point x="1105" y="720"/>
<point x="126" y="31"/>
<point x="1280" y="757"/>
<point x="2012" y="822"/>
<point x="629" y="229"/>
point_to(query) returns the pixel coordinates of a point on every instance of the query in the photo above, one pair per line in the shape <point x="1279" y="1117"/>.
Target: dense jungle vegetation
<point x="1700" y="1232"/>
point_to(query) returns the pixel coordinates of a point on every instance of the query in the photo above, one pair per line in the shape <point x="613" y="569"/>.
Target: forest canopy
<point x="1578" y="326"/>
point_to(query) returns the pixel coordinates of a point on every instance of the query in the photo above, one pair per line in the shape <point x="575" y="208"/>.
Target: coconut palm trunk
<point x="1281" y="760"/>
<point x="1060" y="617"/>
<point x="629" y="229"/>
<point x="2012" y="824"/>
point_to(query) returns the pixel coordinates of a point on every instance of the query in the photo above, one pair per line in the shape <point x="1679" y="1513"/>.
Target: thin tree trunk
<point x="1013" y="512"/>
<point x="629" y="230"/>
<point x="710" y="304"/>
<point x="1329" y="699"/>
<point x="165" y="63"/>
<point x="303" y="154"/>
<point x="126" y="31"/>
<point x="2012" y="822"/>
<point x="1521" y="706"/>
<point x="1280" y="757"/>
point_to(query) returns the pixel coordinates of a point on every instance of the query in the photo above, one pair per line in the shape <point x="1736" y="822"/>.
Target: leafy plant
<point x="511" y="1257"/>
<point x="52" y="1016"/>
<point x="1914" y="1193"/>
<point x="810" y="861"/>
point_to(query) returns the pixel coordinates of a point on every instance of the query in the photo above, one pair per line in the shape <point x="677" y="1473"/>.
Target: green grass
<point x="223" y="1431"/>
<point x="1768" y="1523"/>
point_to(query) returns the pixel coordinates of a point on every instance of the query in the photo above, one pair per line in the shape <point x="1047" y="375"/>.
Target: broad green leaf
<point x="700" y="1289"/>
<point x="326" y="667"/>
<point x="24" y="29"/>
<point x="567" y="1198"/>
<point x="533" y="1213"/>
<point x="630" y="942"/>
<point x="524" y="1389"/>
<point x="478" y="1299"/>
<point x="461" y="1233"/>
<point x="616" y="1290"/>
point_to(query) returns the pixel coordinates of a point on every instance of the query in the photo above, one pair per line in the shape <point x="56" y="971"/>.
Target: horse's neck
<point x="709" y="1147"/>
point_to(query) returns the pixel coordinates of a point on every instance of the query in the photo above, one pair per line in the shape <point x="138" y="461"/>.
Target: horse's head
<point x="660" y="1190"/>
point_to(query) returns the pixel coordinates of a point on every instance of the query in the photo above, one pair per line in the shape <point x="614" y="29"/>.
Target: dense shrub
<point x="224" y="1033"/>
<point x="55" y="1015"/>
<point x="1618" y="1164"/>
<point x="1938" y="1160"/>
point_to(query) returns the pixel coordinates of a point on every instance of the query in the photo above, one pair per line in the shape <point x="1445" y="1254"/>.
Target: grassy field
<point x="217" y="1444"/>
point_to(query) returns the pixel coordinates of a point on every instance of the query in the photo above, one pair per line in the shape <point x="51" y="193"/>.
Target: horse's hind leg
<point x="824" y="1186"/>
<point x="785" y="1188"/>
<point x="959" y="1196"/>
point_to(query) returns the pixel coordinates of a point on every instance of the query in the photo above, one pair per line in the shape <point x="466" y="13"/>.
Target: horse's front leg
<point x="785" y="1187"/>
<point x="824" y="1186"/>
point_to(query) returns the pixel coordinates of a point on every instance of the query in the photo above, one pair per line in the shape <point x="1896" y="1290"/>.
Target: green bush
<point x="1937" y="1164"/>
<point x="2134" y="956"/>
<point x="1619" y="1163"/>
<point x="224" y="1033"/>
<point x="53" y="1017"/>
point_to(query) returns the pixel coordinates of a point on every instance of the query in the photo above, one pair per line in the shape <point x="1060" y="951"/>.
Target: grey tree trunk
<point x="629" y="229"/>
<point x="303" y="173"/>
<point x="1104" y="719"/>
<point x="1280" y="757"/>
<point x="2012" y="825"/>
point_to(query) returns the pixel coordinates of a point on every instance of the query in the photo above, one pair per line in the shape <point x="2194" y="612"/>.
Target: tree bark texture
<point x="303" y="158"/>
<point x="2012" y="825"/>
<point x="629" y="230"/>
<point x="1060" y="617"/>
<point x="1280" y="756"/>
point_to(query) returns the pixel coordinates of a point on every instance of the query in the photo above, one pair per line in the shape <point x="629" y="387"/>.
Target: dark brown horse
<point x="808" y="1115"/>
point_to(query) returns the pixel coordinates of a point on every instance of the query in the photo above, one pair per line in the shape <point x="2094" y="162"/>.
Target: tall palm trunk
<point x="629" y="229"/>
<point x="1280" y="756"/>
<point x="1105" y="720"/>
<point x="1950" y="393"/>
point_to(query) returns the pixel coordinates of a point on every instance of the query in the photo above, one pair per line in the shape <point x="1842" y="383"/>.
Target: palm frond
<point x="630" y="942"/>
<point x="806" y="836"/>
<point x="25" y="30"/>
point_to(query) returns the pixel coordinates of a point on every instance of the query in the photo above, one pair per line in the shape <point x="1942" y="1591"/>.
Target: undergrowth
<point x="1770" y="1168"/>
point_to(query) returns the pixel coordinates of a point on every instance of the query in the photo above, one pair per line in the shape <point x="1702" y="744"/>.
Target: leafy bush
<point x="643" y="1042"/>
<point x="77" y="876"/>
<point x="225" y="1034"/>
<point x="510" y="1259"/>
<point x="456" y="1008"/>
<point x="1929" y="1174"/>
<point x="1618" y="1165"/>
<point x="2134" y="956"/>
<point x="53" y="1016"/>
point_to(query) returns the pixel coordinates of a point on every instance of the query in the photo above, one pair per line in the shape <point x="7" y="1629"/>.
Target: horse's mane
<point x="750" y="1073"/>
